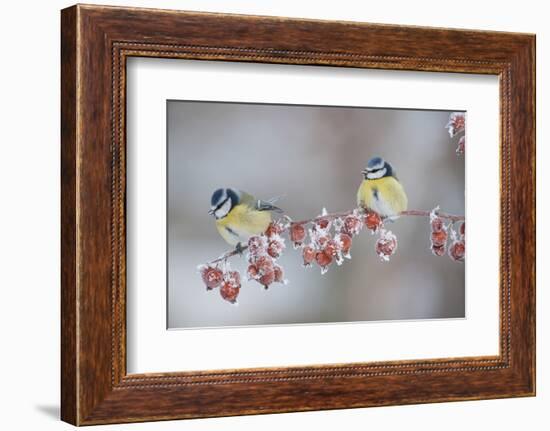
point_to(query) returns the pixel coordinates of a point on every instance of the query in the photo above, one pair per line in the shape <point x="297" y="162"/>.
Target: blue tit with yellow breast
<point x="380" y="191"/>
<point x="240" y="215"/>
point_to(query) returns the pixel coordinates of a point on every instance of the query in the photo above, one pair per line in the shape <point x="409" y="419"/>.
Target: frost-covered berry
<point x="437" y="224"/>
<point x="438" y="250"/>
<point x="308" y="254"/>
<point x="456" y="124"/>
<point x="230" y="286"/>
<point x="297" y="234"/>
<point x="211" y="276"/>
<point x="252" y="271"/>
<point x="323" y="259"/>
<point x="462" y="229"/>
<point x="461" y="146"/>
<point x="274" y="228"/>
<point x="386" y="245"/>
<point x="322" y="224"/>
<point x="322" y="241"/>
<point x="275" y="247"/>
<point x="439" y="237"/>
<point x="352" y="224"/>
<point x="263" y="270"/>
<point x="267" y="279"/>
<point x="264" y="265"/>
<point x="457" y="250"/>
<point x="332" y="247"/>
<point x="372" y="221"/>
<point x="345" y="241"/>
<point x="279" y="274"/>
<point x="256" y="246"/>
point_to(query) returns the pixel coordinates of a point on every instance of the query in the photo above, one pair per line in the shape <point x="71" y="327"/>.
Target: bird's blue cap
<point x="375" y="163"/>
<point x="216" y="197"/>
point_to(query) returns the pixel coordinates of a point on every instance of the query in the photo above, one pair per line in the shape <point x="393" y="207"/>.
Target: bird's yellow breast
<point x="385" y="196"/>
<point x="241" y="223"/>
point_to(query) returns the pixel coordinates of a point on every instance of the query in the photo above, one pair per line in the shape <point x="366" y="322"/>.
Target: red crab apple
<point x="372" y="221"/>
<point x="386" y="245"/>
<point x="211" y="276"/>
<point x="457" y="250"/>
<point x="231" y="285"/>
<point x="439" y="238"/>
<point x="297" y="234"/>
<point x="308" y="254"/>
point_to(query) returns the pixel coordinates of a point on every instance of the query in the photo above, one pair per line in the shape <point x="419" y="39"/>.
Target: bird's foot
<point x="239" y="249"/>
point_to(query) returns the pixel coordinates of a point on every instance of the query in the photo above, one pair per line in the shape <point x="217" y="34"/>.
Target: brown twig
<point x="420" y="213"/>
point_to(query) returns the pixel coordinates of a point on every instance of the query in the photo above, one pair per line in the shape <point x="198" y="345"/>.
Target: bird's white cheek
<point x="377" y="174"/>
<point x="222" y="211"/>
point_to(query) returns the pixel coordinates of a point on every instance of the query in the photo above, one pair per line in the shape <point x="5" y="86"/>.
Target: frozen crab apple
<point x="279" y="274"/>
<point x="457" y="251"/>
<point x="231" y="286"/>
<point x="211" y="276"/>
<point x="345" y="241"/>
<point x="256" y="245"/>
<point x="274" y="228"/>
<point x="308" y="255"/>
<point x="456" y="124"/>
<point x="323" y="259"/>
<point x="372" y="221"/>
<point x="439" y="238"/>
<point x="386" y="245"/>
<point x="275" y="247"/>
<point x="297" y="234"/>
<point x="352" y="224"/>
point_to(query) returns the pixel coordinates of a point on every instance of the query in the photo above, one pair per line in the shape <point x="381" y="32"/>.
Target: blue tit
<point x="240" y="215"/>
<point x="380" y="191"/>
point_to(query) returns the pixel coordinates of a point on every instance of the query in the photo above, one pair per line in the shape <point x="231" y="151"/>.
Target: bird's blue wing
<point x="268" y="205"/>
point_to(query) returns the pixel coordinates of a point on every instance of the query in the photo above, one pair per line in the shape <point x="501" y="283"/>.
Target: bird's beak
<point x="210" y="211"/>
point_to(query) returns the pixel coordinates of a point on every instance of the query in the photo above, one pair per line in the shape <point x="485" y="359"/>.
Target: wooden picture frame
<point x="95" y="43"/>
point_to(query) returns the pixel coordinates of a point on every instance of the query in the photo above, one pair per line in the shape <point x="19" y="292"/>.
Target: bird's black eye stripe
<point x="221" y="204"/>
<point x="371" y="171"/>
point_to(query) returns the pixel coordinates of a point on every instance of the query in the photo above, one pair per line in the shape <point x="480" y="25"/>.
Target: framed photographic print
<point x="265" y="215"/>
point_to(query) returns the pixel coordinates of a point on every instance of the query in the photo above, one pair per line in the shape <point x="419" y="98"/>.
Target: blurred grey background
<point x="313" y="156"/>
